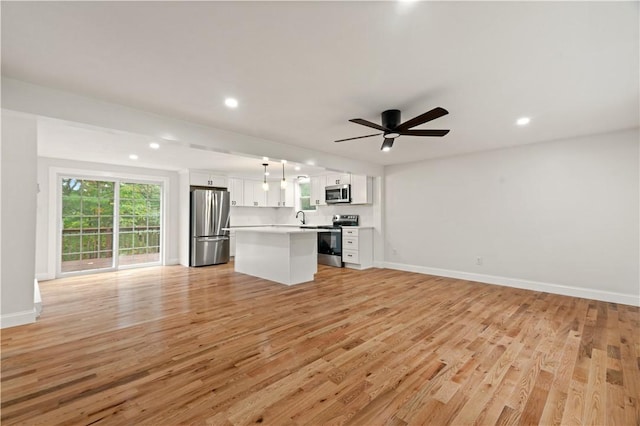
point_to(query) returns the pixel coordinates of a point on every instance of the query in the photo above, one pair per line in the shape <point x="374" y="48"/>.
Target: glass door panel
<point x="87" y="225"/>
<point x="139" y="234"/>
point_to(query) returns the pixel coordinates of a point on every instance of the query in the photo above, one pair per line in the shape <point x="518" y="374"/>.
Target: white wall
<point x="560" y="216"/>
<point x="19" y="187"/>
<point x="46" y="237"/>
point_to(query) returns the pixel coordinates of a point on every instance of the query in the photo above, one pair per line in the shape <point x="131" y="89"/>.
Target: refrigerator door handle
<point x="211" y="239"/>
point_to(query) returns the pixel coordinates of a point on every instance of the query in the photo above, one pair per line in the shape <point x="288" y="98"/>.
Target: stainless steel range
<point x="330" y="239"/>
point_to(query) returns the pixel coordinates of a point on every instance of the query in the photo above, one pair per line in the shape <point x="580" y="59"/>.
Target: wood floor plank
<point x="175" y="345"/>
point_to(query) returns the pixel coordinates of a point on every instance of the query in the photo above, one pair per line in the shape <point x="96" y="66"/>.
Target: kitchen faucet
<point x="297" y="213"/>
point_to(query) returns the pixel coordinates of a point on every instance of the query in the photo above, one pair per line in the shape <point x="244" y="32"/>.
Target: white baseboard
<point x="18" y="318"/>
<point x="45" y="276"/>
<point x="173" y="261"/>
<point x="585" y="293"/>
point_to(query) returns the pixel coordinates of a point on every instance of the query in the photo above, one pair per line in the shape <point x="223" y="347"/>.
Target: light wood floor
<point x="173" y="345"/>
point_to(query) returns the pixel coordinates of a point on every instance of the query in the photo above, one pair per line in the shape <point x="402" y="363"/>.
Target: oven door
<point x="330" y="247"/>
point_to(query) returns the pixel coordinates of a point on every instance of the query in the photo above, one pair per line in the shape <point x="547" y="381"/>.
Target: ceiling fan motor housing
<point x="391" y="118"/>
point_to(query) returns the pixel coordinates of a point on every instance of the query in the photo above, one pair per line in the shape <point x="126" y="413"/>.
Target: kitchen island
<point x="284" y="254"/>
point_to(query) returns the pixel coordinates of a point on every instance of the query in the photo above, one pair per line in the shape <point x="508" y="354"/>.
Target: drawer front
<point x="349" y="232"/>
<point x="350" y="256"/>
<point x="350" y="243"/>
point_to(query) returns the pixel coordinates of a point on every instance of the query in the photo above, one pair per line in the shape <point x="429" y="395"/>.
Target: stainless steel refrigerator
<point x="209" y="214"/>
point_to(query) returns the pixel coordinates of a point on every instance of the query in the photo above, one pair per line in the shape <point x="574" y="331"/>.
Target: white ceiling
<point x="59" y="139"/>
<point x="302" y="69"/>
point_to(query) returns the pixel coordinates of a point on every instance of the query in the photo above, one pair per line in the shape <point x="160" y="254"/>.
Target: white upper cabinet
<point x="207" y="179"/>
<point x="273" y="194"/>
<point x="361" y="189"/>
<point x="317" y="184"/>
<point x="249" y="193"/>
<point x="287" y="195"/>
<point x="254" y="195"/>
<point x="236" y="190"/>
<point x="337" y="179"/>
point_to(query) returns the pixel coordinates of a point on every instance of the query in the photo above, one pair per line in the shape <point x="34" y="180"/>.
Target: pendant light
<point x="265" y="185"/>
<point x="283" y="182"/>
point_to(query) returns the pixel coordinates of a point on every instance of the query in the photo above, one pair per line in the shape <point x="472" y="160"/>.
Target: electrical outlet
<point x="479" y="261"/>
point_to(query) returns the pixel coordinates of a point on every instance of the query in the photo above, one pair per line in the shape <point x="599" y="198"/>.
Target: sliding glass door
<point x="87" y="225"/>
<point x="139" y="232"/>
<point x="109" y="224"/>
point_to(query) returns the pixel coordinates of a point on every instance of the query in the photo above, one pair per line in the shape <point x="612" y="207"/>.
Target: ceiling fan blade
<point x="423" y="118"/>
<point x="358" y="137"/>
<point x="369" y="124"/>
<point x="424" y="132"/>
<point x="388" y="143"/>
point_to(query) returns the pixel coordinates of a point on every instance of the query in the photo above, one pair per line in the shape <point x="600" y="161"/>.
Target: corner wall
<point x="561" y="217"/>
<point x="18" y="215"/>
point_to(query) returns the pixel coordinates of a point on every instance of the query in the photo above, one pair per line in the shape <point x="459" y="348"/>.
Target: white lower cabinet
<point x="357" y="247"/>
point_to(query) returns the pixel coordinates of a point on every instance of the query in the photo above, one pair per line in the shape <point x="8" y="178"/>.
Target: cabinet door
<point x="361" y="189"/>
<point x="218" y="181"/>
<point x="198" y="179"/>
<point x="207" y="179"/>
<point x="236" y="190"/>
<point x="317" y="191"/>
<point x="273" y="194"/>
<point x="259" y="194"/>
<point x="287" y="196"/>
<point x="338" y="179"/>
<point x="247" y="186"/>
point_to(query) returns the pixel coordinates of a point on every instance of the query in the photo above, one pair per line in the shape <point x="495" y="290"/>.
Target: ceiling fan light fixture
<point x="523" y="121"/>
<point x="392" y="127"/>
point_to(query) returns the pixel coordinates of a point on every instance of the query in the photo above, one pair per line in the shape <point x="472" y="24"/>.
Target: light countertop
<point x="290" y="229"/>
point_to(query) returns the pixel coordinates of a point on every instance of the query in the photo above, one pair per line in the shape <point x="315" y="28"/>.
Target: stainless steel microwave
<point x="335" y="194"/>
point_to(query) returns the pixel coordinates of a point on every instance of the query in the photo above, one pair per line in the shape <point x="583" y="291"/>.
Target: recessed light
<point x="297" y="168"/>
<point x="283" y="161"/>
<point x="133" y="157"/>
<point x="231" y="102"/>
<point x="266" y="173"/>
<point x="386" y="149"/>
<point x="265" y="158"/>
<point x="154" y="145"/>
<point x="311" y="163"/>
<point x="523" y="121"/>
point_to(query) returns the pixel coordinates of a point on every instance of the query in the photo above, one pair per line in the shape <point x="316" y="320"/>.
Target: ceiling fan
<point x="392" y="128"/>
